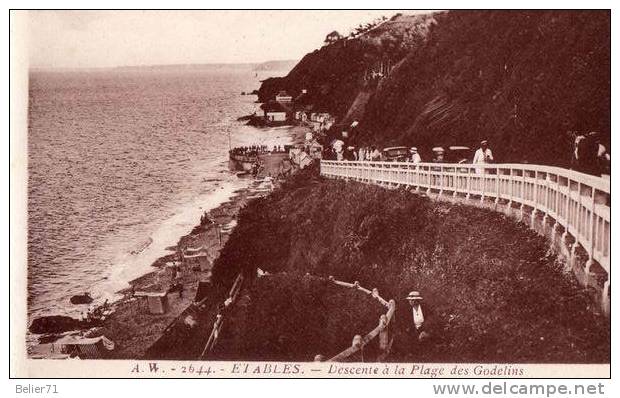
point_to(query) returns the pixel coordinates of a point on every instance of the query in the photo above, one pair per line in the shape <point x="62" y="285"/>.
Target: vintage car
<point x="453" y="154"/>
<point x="395" y="154"/>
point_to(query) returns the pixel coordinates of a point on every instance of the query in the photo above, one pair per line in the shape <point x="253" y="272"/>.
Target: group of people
<point x="366" y="153"/>
<point x="96" y="314"/>
<point x="254" y="150"/>
<point x="589" y="154"/>
<point x="339" y="151"/>
<point x="257" y="168"/>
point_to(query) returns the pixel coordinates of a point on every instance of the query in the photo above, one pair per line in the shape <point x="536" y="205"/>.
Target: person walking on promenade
<point x="415" y="156"/>
<point x="338" y="146"/>
<point x="350" y="154"/>
<point x="375" y="155"/>
<point x="361" y="155"/>
<point x="602" y="156"/>
<point x="439" y="153"/>
<point x="588" y="153"/>
<point x="483" y="156"/>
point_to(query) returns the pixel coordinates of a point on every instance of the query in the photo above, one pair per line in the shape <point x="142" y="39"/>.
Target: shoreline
<point x="297" y="134"/>
<point x="129" y="325"/>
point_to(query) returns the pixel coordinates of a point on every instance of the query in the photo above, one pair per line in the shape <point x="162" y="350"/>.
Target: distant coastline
<point x="267" y="66"/>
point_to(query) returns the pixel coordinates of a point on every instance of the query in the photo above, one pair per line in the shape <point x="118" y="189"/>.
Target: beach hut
<point x="205" y="289"/>
<point x="157" y="302"/>
<point x="84" y="348"/>
<point x="277" y="111"/>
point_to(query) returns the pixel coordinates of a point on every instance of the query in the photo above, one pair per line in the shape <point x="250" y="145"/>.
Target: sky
<point x="76" y="39"/>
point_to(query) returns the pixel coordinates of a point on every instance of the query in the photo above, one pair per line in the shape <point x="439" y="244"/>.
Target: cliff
<point x="334" y="74"/>
<point x="521" y="79"/>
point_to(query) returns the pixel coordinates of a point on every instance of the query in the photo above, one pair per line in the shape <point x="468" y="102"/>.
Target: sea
<point x="121" y="163"/>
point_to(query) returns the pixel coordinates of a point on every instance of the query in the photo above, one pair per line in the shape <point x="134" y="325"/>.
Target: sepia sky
<point x="121" y="38"/>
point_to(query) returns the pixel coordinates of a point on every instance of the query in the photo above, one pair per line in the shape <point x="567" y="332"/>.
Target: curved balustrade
<point x="383" y="332"/>
<point x="578" y="203"/>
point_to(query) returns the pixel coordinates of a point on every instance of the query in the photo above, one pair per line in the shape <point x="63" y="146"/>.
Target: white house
<point x="284" y="97"/>
<point x="274" y="116"/>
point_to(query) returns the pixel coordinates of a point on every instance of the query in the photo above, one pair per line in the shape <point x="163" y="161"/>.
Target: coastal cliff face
<point x="334" y="75"/>
<point x="520" y="79"/>
<point x="495" y="292"/>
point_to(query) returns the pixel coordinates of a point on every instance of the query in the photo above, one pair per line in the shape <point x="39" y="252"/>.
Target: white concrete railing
<point x="577" y="202"/>
<point x="383" y="332"/>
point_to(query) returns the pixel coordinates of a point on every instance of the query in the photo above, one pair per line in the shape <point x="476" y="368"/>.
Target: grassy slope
<point x="496" y="293"/>
<point x="291" y="317"/>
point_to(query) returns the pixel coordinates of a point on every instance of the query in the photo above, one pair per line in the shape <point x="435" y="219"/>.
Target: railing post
<point x="545" y="219"/>
<point x="566" y="214"/>
<point x="440" y="180"/>
<point x="468" y="193"/>
<point x="573" y="249"/>
<point x="556" y="207"/>
<point x="417" y="178"/>
<point x="497" y="188"/>
<point x="484" y="184"/>
<point x="522" y="195"/>
<point x="592" y="237"/>
<point x="358" y="343"/>
<point x="428" y="179"/>
<point x="512" y="185"/>
<point x="535" y="201"/>
<point x="455" y="183"/>
<point x="605" y="299"/>
<point x="384" y="338"/>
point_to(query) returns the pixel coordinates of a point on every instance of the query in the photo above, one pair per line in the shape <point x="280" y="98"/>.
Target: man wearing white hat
<point x="483" y="155"/>
<point x="415" y="300"/>
<point x="415" y="156"/>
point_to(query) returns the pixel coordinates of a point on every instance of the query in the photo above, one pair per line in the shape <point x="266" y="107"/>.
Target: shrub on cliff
<point x="495" y="292"/>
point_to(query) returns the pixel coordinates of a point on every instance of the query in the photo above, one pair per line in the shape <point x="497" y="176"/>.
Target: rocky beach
<point x="128" y="323"/>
